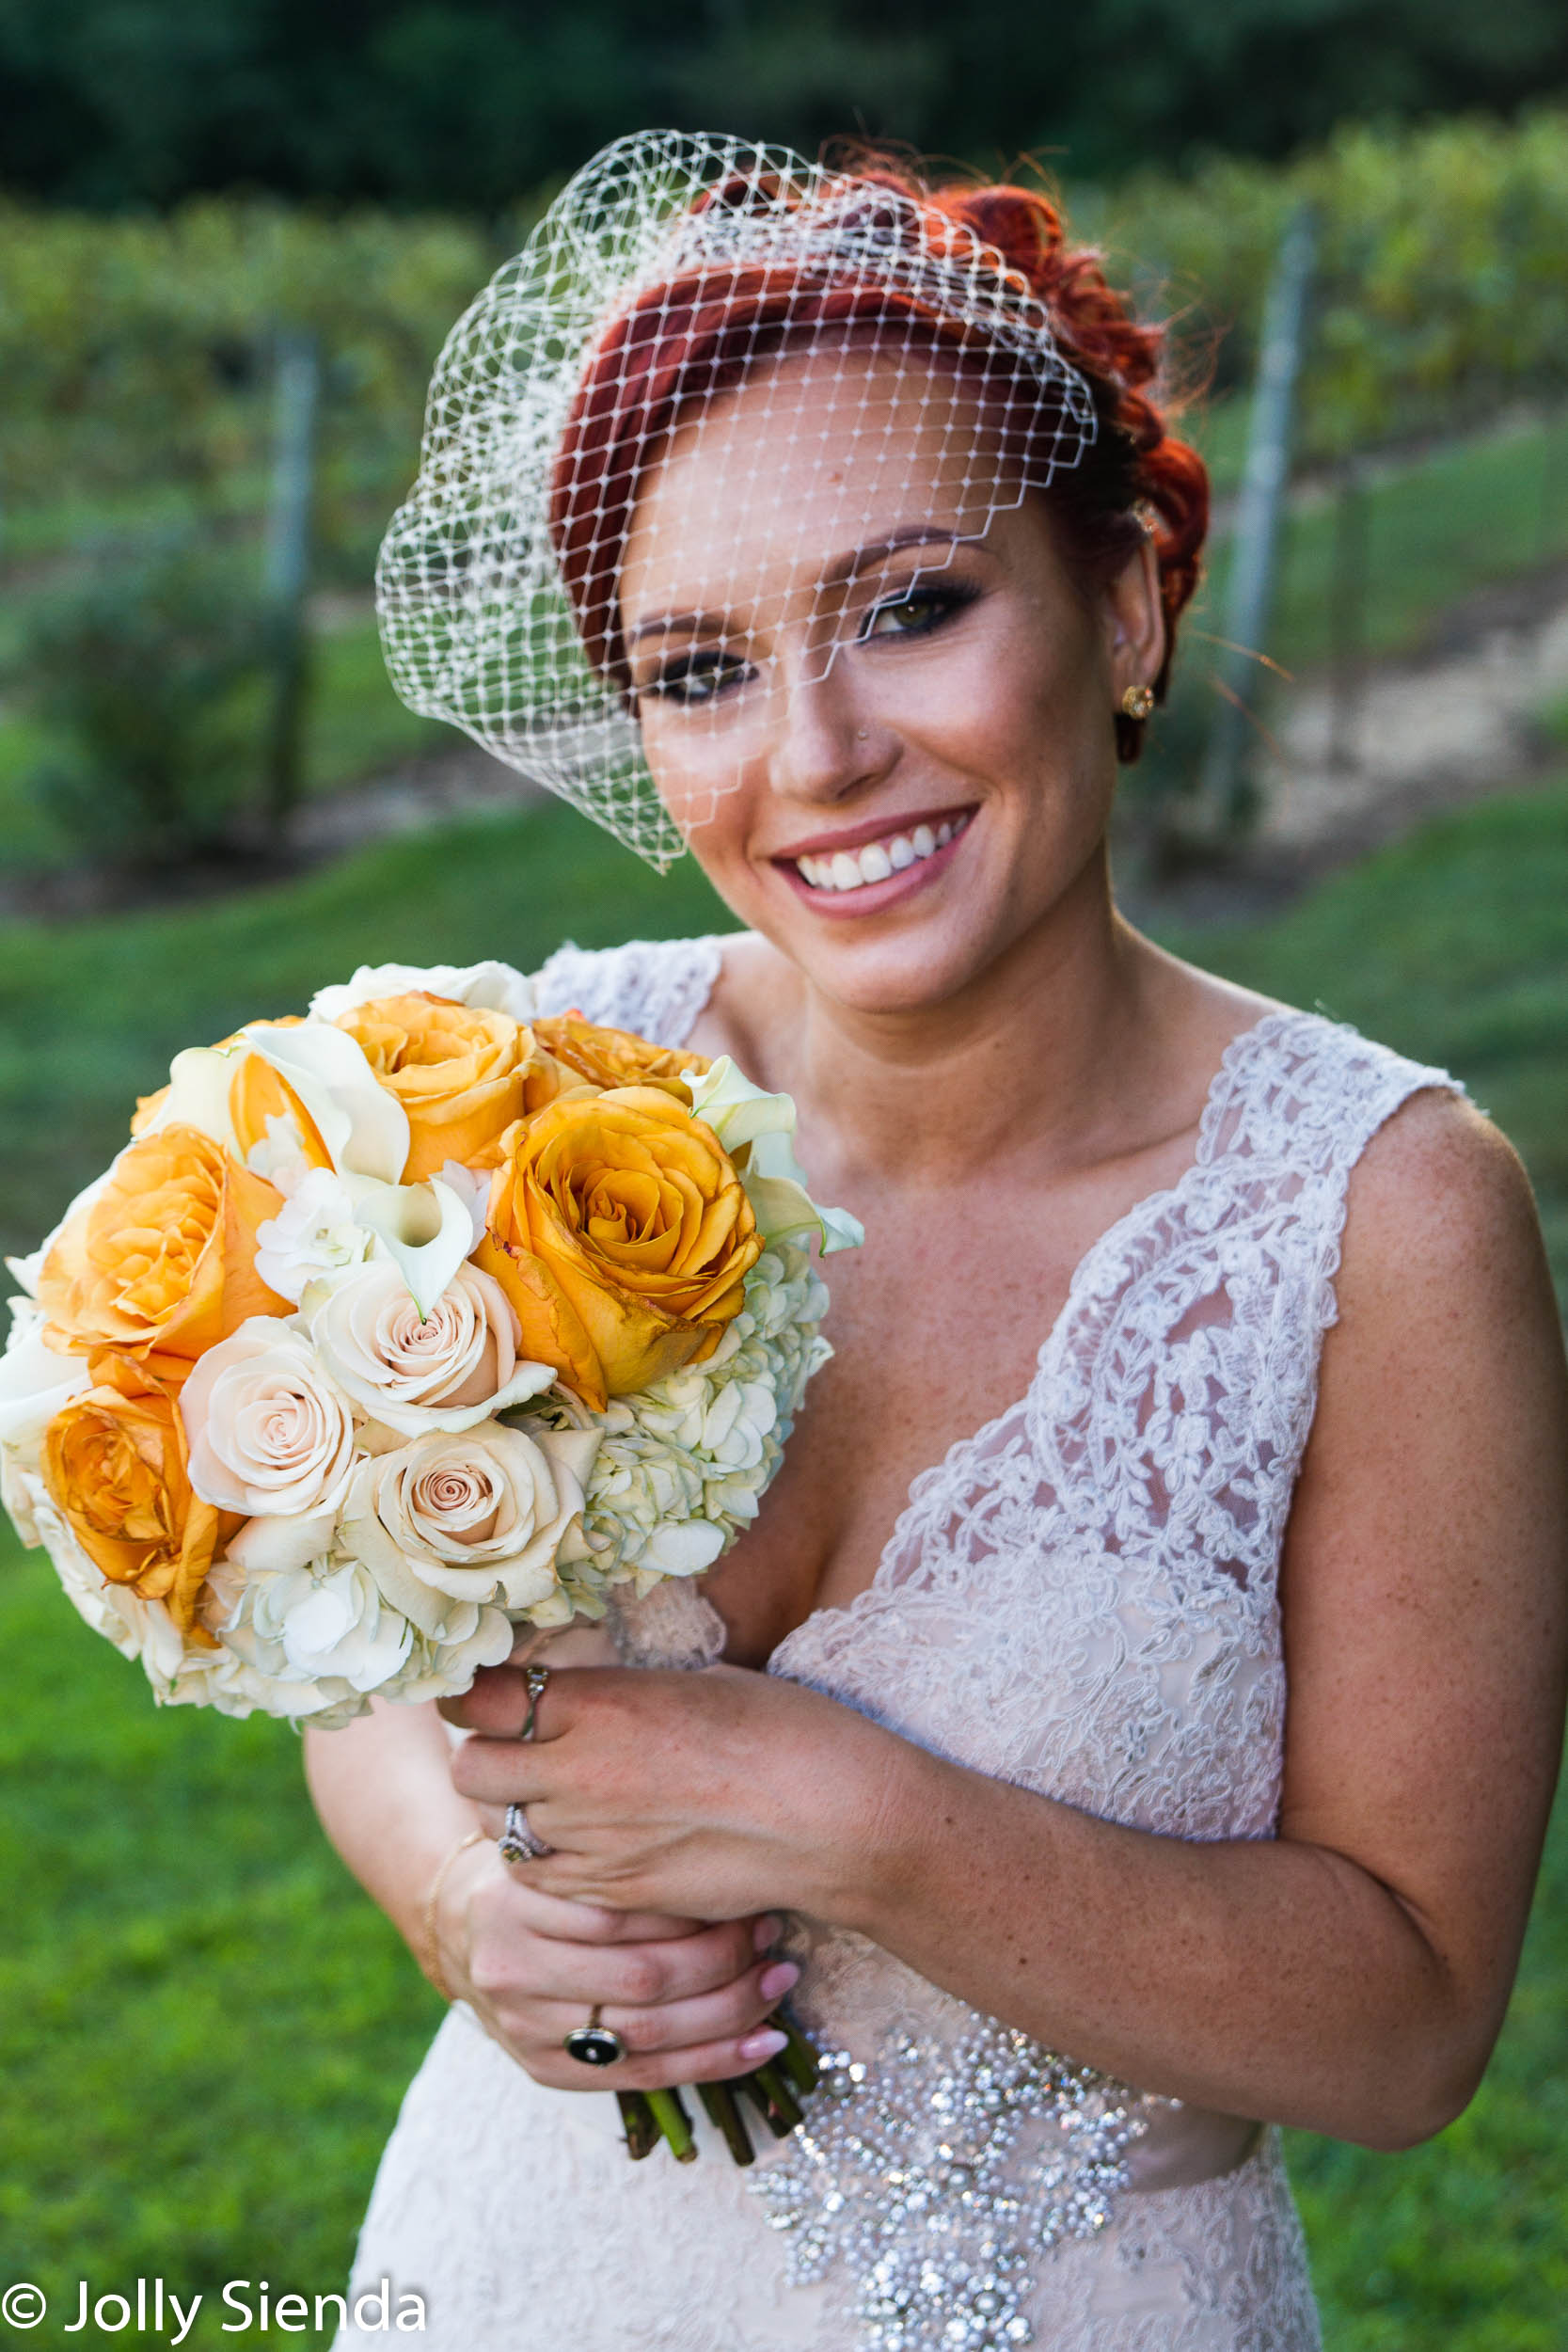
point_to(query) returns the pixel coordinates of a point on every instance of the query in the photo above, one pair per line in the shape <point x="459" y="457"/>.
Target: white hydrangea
<point x="681" y="1469"/>
<point x="313" y="1643"/>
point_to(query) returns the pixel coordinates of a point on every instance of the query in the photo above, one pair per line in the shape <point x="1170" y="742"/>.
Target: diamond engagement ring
<point x="517" y="1842"/>
<point x="594" y="2044"/>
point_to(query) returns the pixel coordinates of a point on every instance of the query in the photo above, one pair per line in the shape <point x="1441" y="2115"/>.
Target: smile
<point x="878" y="861"/>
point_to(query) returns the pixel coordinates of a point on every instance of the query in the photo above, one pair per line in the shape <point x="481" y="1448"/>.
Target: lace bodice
<point x="1082" y="1597"/>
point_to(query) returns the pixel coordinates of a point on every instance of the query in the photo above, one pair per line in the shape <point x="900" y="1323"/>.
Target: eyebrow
<point x="843" y="567"/>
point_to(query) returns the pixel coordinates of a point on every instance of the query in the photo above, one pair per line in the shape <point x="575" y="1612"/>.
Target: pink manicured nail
<point x="776" y="1981"/>
<point x="765" y="1933"/>
<point x="758" y="2048"/>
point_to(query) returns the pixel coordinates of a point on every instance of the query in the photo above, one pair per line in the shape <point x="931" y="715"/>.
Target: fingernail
<point x="765" y="1933"/>
<point x="758" y="2048"/>
<point x="775" y="1981"/>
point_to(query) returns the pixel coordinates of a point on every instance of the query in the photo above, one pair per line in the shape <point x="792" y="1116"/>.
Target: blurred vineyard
<point x="140" y="358"/>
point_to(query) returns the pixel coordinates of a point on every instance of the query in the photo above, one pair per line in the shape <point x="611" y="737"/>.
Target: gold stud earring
<point x="1137" y="702"/>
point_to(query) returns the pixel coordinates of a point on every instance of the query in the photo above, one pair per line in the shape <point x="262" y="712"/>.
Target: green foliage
<point x="1442" y="258"/>
<point x="137" y="667"/>
<point x="138" y="358"/>
<point x="464" y="102"/>
<point x="204" y="2030"/>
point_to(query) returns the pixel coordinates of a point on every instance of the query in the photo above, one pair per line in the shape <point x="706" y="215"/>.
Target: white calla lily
<point x="198" y="1083"/>
<point x="364" y="1127"/>
<point x="425" y="1229"/>
<point x="744" y="1118"/>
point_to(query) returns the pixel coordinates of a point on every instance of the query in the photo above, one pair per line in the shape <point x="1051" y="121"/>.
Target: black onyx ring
<point x="594" y="2044"/>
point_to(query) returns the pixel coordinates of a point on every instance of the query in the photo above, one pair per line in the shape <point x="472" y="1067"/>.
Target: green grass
<point x="204" y="2029"/>
<point x="1461" y="519"/>
<point x="356" y="725"/>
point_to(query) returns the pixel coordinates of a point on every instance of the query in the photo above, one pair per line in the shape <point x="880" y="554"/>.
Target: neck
<point x="1035" y="1052"/>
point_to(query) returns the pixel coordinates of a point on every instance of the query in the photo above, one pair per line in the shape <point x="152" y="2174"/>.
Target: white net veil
<point x="633" y="513"/>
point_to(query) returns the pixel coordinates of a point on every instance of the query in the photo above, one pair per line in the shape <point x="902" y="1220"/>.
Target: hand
<point x="718" y="1793"/>
<point x="688" y="2001"/>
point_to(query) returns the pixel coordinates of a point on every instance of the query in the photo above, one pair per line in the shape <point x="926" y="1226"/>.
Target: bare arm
<point x="1351" y="1976"/>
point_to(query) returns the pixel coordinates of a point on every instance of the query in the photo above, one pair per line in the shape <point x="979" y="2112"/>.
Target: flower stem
<point x="797" y="2060"/>
<point x="719" y="2101"/>
<point x="642" y="2132"/>
<point x="674" y="2123"/>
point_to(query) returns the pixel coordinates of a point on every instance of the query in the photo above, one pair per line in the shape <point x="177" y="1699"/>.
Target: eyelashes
<point x="703" y="673"/>
<point x="917" y="611"/>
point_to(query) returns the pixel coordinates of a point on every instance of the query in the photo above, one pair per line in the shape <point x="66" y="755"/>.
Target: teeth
<point x="851" y="869"/>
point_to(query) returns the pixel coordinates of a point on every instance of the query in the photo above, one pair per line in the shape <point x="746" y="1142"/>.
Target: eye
<point x="695" y="678"/>
<point x="916" y="611"/>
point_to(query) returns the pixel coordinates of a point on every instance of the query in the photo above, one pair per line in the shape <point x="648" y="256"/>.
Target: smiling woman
<point x="1200" y="1352"/>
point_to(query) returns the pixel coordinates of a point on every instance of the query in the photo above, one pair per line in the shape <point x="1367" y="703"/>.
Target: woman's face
<point x="870" y="692"/>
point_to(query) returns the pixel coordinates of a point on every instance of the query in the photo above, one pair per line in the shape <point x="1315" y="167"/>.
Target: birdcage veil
<point x="673" y="269"/>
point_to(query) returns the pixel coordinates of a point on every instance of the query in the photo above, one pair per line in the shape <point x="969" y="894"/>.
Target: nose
<point x="827" y="743"/>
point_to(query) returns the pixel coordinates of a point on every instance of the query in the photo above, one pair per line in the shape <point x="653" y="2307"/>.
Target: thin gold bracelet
<point x="432" y="1967"/>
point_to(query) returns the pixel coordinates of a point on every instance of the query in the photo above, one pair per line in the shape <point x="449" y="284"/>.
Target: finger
<point x="730" y="2013"/>
<point x="645" y="1975"/>
<point x="561" y="1919"/>
<point x="664" y="2070"/>
<point x="498" y="1701"/>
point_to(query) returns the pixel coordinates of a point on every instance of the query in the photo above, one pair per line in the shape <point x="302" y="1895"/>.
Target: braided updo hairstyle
<point x="685" y="340"/>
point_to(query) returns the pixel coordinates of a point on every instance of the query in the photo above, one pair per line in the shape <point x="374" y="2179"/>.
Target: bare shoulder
<point x="1440" y="1200"/>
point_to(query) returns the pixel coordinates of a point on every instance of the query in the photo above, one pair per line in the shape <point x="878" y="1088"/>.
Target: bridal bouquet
<point x="399" y="1327"/>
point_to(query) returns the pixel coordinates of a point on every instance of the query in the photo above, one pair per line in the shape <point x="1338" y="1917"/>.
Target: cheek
<point x="701" y="773"/>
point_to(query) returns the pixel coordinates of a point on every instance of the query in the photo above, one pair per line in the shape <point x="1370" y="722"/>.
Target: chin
<point x="913" y="969"/>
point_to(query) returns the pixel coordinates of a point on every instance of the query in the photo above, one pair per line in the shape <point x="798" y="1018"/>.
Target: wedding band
<point x="517" y="1842"/>
<point x="594" y="2044"/>
<point x="534" y="1680"/>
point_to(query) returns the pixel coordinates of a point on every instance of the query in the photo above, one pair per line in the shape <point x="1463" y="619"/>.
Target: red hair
<point x="698" y="334"/>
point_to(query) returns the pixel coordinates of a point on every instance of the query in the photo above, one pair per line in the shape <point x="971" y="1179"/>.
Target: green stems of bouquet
<point x="775" y="2091"/>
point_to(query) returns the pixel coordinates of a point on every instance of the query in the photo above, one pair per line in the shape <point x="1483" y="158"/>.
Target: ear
<point x="1135" y="622"/>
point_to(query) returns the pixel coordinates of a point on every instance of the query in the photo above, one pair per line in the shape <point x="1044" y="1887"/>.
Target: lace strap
<point x="1304" y="1105"/>
<point x="656" y="987"/>
<point x="1305" y="1094"/>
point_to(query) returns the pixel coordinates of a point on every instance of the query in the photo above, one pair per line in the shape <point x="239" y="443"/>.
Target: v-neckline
<point x="1217" y="1101"/>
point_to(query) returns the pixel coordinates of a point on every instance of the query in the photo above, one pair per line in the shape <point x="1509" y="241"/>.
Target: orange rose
<point x="616" y="1057"/>
<point x="115" y="1465"/>
<point x="161" y="1263"/>
<point x="619" y="1229"/>
<point x="462" y="1073"/>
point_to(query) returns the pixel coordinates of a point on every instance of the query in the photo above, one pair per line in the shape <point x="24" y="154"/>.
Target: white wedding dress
<point x="1080" y="1599"/>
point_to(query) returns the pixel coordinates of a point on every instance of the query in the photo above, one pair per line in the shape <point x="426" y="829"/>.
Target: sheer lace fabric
<point x="1080" y="1599"/>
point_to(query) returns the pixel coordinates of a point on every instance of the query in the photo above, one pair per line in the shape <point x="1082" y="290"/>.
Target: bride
<point x="1141" y="1693"/>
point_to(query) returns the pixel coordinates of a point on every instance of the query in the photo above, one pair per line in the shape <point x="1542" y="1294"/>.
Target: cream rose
<point x="271" y="1434"/>
<point x="448" y="1370"/>
<point x="475" y="1515"/>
